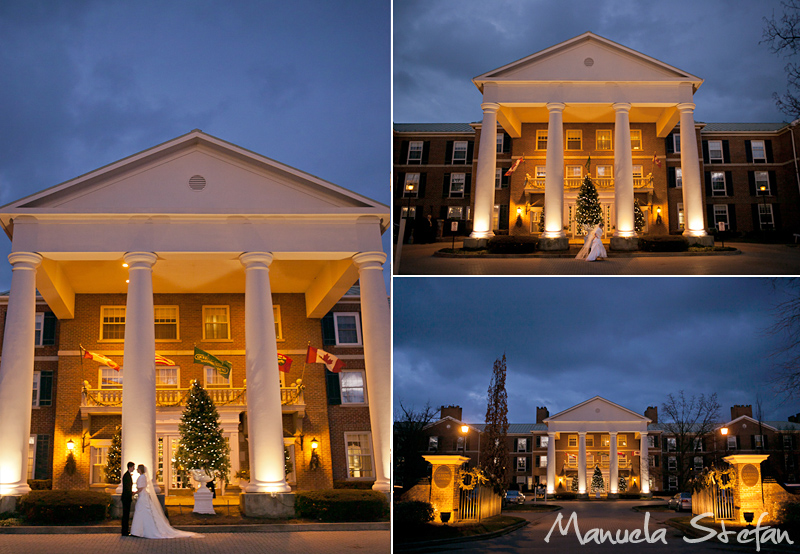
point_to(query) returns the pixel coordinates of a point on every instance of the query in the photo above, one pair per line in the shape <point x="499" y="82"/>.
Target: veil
<point x="163" y="530"/>
<point x="587" y="244"/>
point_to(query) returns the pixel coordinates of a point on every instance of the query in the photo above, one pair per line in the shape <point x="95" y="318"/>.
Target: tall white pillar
<point x="551" y="463"/>
<point x="264" y="415"/>
<point x="623" y="172"/>
<point x="554" y="174"/>
<point x="16" y="374"/>
<point x="694" y="220"/>
<point x="613" y="468"/>
<point x="644" y="461"/>
<point x="139" y="367"/>
<point x="484" y="181"/>
<point x="375" y="326"/>
<point x="582" y="462"/>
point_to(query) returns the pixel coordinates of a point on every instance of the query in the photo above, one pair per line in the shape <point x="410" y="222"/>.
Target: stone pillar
<point x="16" y="375"/>
<point x="748" y="494"/>
<point x="375" y="320"/>
<point x="484" y="181"/>
<point x="694" y="220"/>
<point x="551" y="463"/>
<point x="139" y="367"/>
<point x="582" y="488"/>
<point x="613" y="467"/>
<point x="623" y="181"/>
<point x="555" y="238"/>
<point x="264" y="415"/>
<point x="644" y="464"/>
<point x="444" y="488"/>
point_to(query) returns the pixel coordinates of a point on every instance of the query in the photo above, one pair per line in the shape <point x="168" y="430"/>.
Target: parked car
<point x="515" y="497"/>
<point x="681" y="501"/>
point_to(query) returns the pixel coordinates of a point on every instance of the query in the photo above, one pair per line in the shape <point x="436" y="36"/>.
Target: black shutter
<point x="328" y="330"/>
<point x="706" y="157"/>
<point x="448" y="153"/>
<point x="504" y="179"/>
<point x="42" y="470"/>
<point x="46" y="388"/>
<point x="756" y="221"/>
<point x="710" y="215"/>
<point x="470" y="150"/>
<point x="332" y="385"/>
<point x="529" y="444"/>
<point x="670" y="144"/>
<point x="768" y="148"/>
<point x="49" y="329"/>
<point x="467" y="185"/>
<point x="423" y="179"/>
<point x="426" y="148"/>
<point x="765" y="442"/>
<point x="446" y="186"/>
<point x="708" y="183"/>
<point x="503" y="217"/>
<point x="401" y="183"/>
<point x="443" y="215"/>
<point x="728" y="183"/>
<point x="538" y="461"/>
<point x="751" y="179"/>
<point x="538" y="442"/>
<point x="732" y="217"/>
<point x="773" y="183"/>
<point x="776" y="215"/>
<point x="752" y="442"/>
<point x="738" y="443"/>
<point x="506" y="143"/>
<point x="671" y="181"/>
<point x="403" y="153"/>
<point x="726" y="152"/>
<point x="748" y="150"/>
<point x="656" y="460"/>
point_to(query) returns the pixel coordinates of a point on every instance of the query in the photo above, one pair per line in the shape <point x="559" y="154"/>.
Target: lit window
<point x="498" y="178"/>
<point x="166" y="376"/>
<point x="636" y="139"/>
<point x="113" y="323"/>
<point x="572" y="460"/>
<point x="455" y="212"/>
<point x="499" y="142"/>
<point x="541" y="139"/>
<point x="544" y="441"/>
<point x="39" y="328"/>
<point x="214" y="379"/>
<point x="36" y="381"/>
<point x="731" y="443"/>
<point x="759" y="440"/>
<point x="765" y="218"/>
<point x="110" y="378"/>
<point x="638" y="173"/>
<point x="676" y="142"/>
<point x="522" y="464"/>
<point x="460" y="152"/>
<point x="759" y="153"/>
<point x="604" y="140"/>
<point x="681" y="221"/>
<point x="574" y="173"/>
<point x="31" y="456"/>
<point x="590" y="440"/>
<point x="348" y="328"/>
<point x="216" y="323"/>
<point x="359" y="455"/>
<point x="433" y="444"/>
<point x="762" y="180"/>
<point x="522" y="445"/>
<point x="678" y="177"/>
<point x="605" y="441"/>
<point x="352" y="386"/>
<point x="411" y="186"/>
<point x="671" y="444"/>
<point x="99" y="456"/>
<point x="574" y="139"/>
<point x="407" y="213"/>
<point x="415" y="152"/>
<point x="622" y="441"/>
<point x="721" y="215"/>
<point x="540" y="172"/>
<point x="166" y="321"/>
<point x="457" y="182"/>
<point x="542" y="461"/>
<point x="572" y="441"/>
<point x="604" y="172"/>
<point x="715" y="151"/>
<point x="718" y="183"/>
<point x="276" y="315"/>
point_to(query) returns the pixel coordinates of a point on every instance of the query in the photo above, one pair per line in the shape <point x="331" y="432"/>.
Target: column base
<point x="8" y="503"/>
<point x="382" y="486"/>
<point x="625" y="244"/>
<point x="703" y="240"/>
<point x="270" y="505"/>
<point x="475" y="243"/>
<point x="553" y="243"/>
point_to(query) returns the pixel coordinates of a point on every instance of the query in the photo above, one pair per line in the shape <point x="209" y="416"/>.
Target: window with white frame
<point x="415" y="151"/>
<point x="540" y="172"/>
<point x="110" y="378"/>
<point x="522" y="464"/>
<point x="672" y="444"/>
<point x="544" y="440"/>
<point x="681" y="217"/>
<point x="500" y="142"/>
<point x="112" y="327"/>
<point x="457" y="181"/>
<point x="541" y="139"/>
<point x="522" y="445"/>
<point x="411" y="185"/>
<point x="676" y="142"/>
<point x="39" y="329"/>
<point x="498" y="178"/>
<point x="572" y="441"/>
<point x="407" y="213"/>
<point x="460" y="443"/>
<point x="574" y="139"/>
<point x="638" y="172"/>
<point x="36" y="383"/>
<point x="604" y="171"/>
<point x="455" y="212"/>
<point x="697" y="444"/>
<point x="496" y="216"/>
<point x="352" y="387"/>
<point x="731" y="443"/>
<point x="574" y="172"/>
<point x="31" y="456"/>
<point x="622" y="441"/>
<point x="787" y="442"/>
<point x="636" y="139"/>
<point x="589" y="459"/>
<point x="698" y="463"/>
<point x="359" y="455"/>
<point x="758" y="151"/>
<point x="214" y="379"/>
<point x="759" y="441"/>
<point x="276" y="315"/>
<point x="721" y="215"/>
<point x="216" y="323"/>
<point x="460" y="151"/>
<point x="590" y="441"/>
<point x="542" y="461"/>
<point x="715" y="151"/>
<point x="433" y="444"/>
<point x="673" y="482"/>
<point x="762" y="183"/>
<point x="604" y="139"/>
<point x="605" y="440"/>
<point x="348" y="328"/>
<point x="167" y="376"/>
<point x="99" y="456"/>
<point x="672" y="463"/>
<point x="678" y="177"/>
<point x="651" y="441"/>
<point x="718" y="183"/>
<point x="166" y="323"/>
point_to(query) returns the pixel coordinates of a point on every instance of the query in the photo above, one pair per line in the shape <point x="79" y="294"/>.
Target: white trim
<point x="370" y="453"/>
<point x="227" y="322"/>
<point x="363" y="386"/>
<point x="357" y="317"/>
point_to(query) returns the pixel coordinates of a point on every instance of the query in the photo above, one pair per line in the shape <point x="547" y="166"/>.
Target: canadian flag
<point x="317" y="356"/>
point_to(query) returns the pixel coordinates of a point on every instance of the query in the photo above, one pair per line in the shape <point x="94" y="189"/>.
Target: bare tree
<point x="689" y="421"/>
<point x="787" y="327"/>
<point x="494" y="450"/>
<point x="783" y="37"/>
<point x="409" y="443"/>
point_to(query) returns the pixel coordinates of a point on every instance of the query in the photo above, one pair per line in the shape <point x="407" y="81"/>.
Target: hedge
<point x="341" y="505"/>
<point x="412" y="513"/>
<point x="40" y="484"/>
<point x="500" y="244"/>
<point x="64" y="507"/>
<point x="665" y="243"/>
<point x="353" y="485"/>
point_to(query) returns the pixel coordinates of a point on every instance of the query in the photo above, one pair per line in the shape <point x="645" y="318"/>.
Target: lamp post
<point x="763" y="190"/>
<point x="407" y="189"/>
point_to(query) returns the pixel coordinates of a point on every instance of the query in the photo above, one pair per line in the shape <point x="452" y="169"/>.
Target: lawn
<point x="430" y="532"/>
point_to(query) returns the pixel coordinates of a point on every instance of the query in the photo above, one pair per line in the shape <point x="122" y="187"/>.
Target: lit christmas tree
<point x="597" y="480"/>
<point x="587" y="205"/>
<point x="113" y="467"/>
<point x="202" y="445"/>
<point x="623" y="485"/>
<point x="638" y="217"/>
<point x="574" y="486"/>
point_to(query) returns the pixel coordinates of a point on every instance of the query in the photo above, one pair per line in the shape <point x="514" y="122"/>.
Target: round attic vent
<point x="588" y="62"/>
<point x="197" y="183"/>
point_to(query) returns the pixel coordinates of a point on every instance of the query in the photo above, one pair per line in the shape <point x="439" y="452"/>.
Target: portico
<point x="541" y="101"/>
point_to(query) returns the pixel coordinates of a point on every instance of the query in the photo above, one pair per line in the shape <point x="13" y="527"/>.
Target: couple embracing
<point x="593" y="248"/>
<point x="149" y="520"/>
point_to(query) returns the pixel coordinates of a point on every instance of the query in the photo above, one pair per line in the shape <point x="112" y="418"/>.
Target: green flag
<point x="203" y="357"/>
<point x="587" y="164"/>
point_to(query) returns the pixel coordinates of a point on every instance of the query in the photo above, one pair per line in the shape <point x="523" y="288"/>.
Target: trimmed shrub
<point x="566" y="496"/>
<point x="412" y="513"/>
<point x="504" y="244"/>
<point x="40" y="484"/>
<point x="341" y="505"/>
<point x="788" y="514"/>
<point x="665" y="243"/>
<point x="353" y="485"/>
<point x="81" y="506"/>
<point x="629" y="496"/>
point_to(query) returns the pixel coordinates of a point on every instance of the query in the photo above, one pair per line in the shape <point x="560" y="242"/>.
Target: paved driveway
<point x="755" y="259"/>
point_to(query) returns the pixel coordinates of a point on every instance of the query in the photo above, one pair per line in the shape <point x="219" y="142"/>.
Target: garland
<point x="468" y="480"/>
<point x="289" y="401"/>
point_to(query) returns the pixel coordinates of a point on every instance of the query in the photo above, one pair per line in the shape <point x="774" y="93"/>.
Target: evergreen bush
<point x="341" y="505"/>
<point x="412" y="513"/>
<point x="663" y="243"/>
<point x="65" y="507"/>
<point x="504" y="244"/>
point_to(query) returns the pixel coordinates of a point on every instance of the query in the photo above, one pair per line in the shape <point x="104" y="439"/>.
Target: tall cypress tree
<point x="587" y="205"/>
<point x="202" y="445"/>
<point x="494" y="450"/>
<point x="113" y="467"/>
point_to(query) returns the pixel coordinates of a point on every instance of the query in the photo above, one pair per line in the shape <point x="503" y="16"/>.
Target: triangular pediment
<point x="597" y="409"/>
<point x="196" y="174"/>
<point x="587" y="58"/>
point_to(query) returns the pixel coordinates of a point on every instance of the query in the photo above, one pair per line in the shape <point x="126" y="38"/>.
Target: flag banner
<point x="656" y="160"/>
<point x="99" y="358"/>
<point x="588" y="161"/>
<point x="161" y="360"/>
<point x="515" y="166"/>
<point x="284" y="363"/>
<point x="203" y="357"/>
<point x="316" y="356"/>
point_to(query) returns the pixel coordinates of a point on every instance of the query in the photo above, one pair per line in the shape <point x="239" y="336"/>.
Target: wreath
<point x="468" y="480"/>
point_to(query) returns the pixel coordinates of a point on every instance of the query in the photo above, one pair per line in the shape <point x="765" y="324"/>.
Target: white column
<point x="139" y="366"/>
<point x="484" y="181"/>
<point x="623" y="172"/>
<point x="551" y="463"/>
<point x="554" y="174"/>
<point x="16" y="374"/>
<point x="613" y="468"/>
<point x="690" y="171"/>
<point x="264" y="415"/>
<point x="644" y="461"/>
<point x="582" y="462"/>
<point x="375" y="328"/>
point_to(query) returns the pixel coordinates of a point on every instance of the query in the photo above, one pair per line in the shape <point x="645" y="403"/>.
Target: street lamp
<point x="401" y="232"/>
<point x="763" y="190"/>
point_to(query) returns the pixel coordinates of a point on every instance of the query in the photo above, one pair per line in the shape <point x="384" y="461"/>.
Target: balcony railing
<point x="537" y="184"/>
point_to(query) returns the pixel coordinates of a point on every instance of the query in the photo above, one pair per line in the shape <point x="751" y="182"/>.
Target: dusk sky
<point x="630" y="340"/>
<point x="85" y="83"/>
<point x="441" y="45"/>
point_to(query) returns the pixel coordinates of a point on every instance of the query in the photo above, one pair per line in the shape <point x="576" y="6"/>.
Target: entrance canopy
<point x="597" y="415"/>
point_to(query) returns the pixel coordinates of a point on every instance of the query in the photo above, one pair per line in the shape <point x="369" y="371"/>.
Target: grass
<point x="464" y="251"/>
<point x="711" y="249"/>
<point x="531" y="508"/>
<point x="430" y="532"/>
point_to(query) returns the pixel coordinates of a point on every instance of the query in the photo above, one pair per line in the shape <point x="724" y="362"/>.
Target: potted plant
<point x="243" y="475"/>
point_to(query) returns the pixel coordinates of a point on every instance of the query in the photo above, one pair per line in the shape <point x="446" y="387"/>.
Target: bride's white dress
<point x="149" y="520"/>
<point x="597" y="248"/>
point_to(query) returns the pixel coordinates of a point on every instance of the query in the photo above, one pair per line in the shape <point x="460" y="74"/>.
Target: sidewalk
<point x="109" y="529"/>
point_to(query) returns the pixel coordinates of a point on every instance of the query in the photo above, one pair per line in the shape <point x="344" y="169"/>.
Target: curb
<point x="611" y="255"/>
<point x="204" y="529"/>
<point x="432" y="546"/>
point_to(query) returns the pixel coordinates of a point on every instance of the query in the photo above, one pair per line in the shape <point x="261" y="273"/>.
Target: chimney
<point x="794" y="418"/>
<point x="740" y="410"/>
<point x="652" y="413"/>
<point x="452" y="411"/>
<point x="541" y="414"/>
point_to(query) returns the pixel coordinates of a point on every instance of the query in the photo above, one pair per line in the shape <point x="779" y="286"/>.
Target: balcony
<point x="643" y="184"/>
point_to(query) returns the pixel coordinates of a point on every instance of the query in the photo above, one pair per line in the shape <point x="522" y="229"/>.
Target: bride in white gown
<point x="593" y="245"/>
<point x="149" y="520"/>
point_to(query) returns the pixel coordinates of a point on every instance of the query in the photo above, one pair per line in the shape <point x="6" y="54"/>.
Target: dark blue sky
<point x="440" y="45"/>
<point x="85" y="83"/>
<point x="630" y="340"/>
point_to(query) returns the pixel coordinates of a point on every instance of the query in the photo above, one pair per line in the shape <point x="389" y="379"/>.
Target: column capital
<point x="622" y="106"/>
<point x="613" y="432"/>
<point x="490" y="106"/>
<point x="643" y="433"/>
<point x="23" y="259"/>
<point x="555" y="106"/>
<point x="552" y="433"/>
<point x="686" y="107"/>
<point x="582" y="433"/>
<point x="256" y="259"/>
<point x="371" y="260"/>
<point x="140" y="259"/>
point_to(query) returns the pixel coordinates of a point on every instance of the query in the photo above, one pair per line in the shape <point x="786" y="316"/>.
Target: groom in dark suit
<point x="127" y="498"/>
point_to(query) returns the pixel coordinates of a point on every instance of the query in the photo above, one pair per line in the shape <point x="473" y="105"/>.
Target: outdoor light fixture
<point x="724" y="430"/>
<point x="314" y="444"/>
<point x="465" y="429"/>
<point x="124" y="264"/>
<point x="70" y="445"/>
<point x="658" y="215"/>
<point x="314" y="462"/>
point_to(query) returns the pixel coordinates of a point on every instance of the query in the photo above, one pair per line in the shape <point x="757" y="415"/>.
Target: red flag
<point x="316" y="356"/>
<point x="161" y="360"/>
<point x="656" y="160"/>
<point x="515" y="166"/>
<point x="101" y="359"/>
<point x="284" y="363"/>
